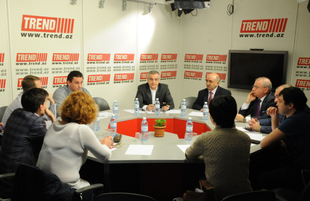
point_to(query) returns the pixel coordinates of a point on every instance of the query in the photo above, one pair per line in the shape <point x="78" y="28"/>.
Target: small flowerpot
<point x="159" y="131"/>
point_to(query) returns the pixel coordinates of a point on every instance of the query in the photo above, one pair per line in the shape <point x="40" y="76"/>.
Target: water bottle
<point x="157" y="107"/>
<point x="189" y="129"/>
<point x="115" y="109"/>
<point x="113" y="125"/>
<point x="144" y="130"/>
<point x="136" y="108"/>
<point x="97" y="124"/>
<point x="205" y="112"/>
<point x="183" y="108"/>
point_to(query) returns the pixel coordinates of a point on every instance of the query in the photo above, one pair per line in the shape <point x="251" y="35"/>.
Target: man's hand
<point x="107" y="141"/>
<point x="250" y="98"/>
<point x="166" y="107"/>
<point x="239" y="117"/>
<point x="1" y="125"/>
<point x="50" y="98"/>
<point x="150" y="107"/>
<point x="272" y="111"/>
<point x="50" y="114"/>
<point x="252" y="122"/>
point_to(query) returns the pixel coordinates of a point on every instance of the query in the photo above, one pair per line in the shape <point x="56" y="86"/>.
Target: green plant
<point x="160" y="122"/>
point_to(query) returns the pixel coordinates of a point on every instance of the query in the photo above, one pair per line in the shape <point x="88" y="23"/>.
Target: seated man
<point x="30" y="81"/>
<point x="293" y="134"/>
<point x="264" y="125"/>
<point x="74" y="83"/>
<point x="148" y="92"/>
<point x="25" y="131"/>
<point x="257" y="101"/>
<point x="213" y="89"/>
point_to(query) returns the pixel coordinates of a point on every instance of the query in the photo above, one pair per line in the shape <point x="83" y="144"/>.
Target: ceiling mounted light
<point x="188" y="6"/>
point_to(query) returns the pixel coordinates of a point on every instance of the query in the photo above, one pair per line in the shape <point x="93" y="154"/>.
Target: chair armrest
<point x="7" y="175"/>
<point x="88" y="188"/>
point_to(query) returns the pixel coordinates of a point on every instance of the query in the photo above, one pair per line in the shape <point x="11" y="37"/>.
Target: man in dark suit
<point x="25" y="130"/>
<point x="212" y="82"/>
<point x="148" y="92"/>
<point x="258" y="100"/>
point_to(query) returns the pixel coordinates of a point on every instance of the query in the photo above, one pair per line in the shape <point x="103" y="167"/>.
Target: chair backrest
<point x="103" y="104"/>
<point x="252" y="196"/>
<point x="305" y="194"/>
<point x="189" y="102"/>
<point x="32" y="183"/>
<point x="122" y="196"/>
<point x="2" y="110"/>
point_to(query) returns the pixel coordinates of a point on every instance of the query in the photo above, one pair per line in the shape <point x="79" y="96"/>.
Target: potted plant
<point x="159" y="127"/>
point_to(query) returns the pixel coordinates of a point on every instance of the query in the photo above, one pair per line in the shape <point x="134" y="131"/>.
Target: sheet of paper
<point x="197" y="114"/>
<point x="132" y="111"/>
<point x="252" y="134"/>
<point x="103" y="115"/>
<point x="183" y="147"/>
<point x="173" y="111"/>
<point x="139" y="150"/>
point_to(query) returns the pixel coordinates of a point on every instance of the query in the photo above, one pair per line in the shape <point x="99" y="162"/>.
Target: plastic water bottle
<point x="183" y="108"/>
<point x="136" y="108"/>
<point x="144" y="131"/>
<point x="205" y="112"/>
<point x="189" y="129"/>
<point x="113" y="125"/>
<point x="115" y="109"/>
<point x="157" y="107"/>
<point x="97" y="124"/>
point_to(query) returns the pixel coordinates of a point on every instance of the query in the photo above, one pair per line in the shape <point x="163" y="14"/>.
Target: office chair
<point x="189" y="102"/>
<point x="33" y="184"/>
<point x="122" y="196"/>
<point x="103" y="104"/>
<point x="252" y="196"/>
<point x="2" y="110"/>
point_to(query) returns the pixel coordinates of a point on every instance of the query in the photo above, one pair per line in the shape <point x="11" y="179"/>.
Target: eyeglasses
<point x="257" y="87"/>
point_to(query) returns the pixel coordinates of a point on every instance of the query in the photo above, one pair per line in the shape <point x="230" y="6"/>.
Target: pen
<point x="264" y="111"/>
<point x="2" y="128"/>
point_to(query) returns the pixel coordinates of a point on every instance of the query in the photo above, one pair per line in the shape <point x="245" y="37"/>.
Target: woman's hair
<point x="223" y="110"/>
<point x="78" y="107"/>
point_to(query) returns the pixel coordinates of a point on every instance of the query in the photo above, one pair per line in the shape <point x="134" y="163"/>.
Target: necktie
<point x="210" y="97"/>
<point x="258" y="107"/>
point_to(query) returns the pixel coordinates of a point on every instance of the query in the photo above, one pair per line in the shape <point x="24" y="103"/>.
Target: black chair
<point x="189" y="102"/>
<point x="252" y="196"/>
<point x="103" y="104"/>
<point x="33" y="184"/>
<point x="2" y="110"/>
<point x="122" y="196"/>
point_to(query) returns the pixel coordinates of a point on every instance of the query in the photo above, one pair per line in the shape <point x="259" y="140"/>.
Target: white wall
<point x="111" y="31"/>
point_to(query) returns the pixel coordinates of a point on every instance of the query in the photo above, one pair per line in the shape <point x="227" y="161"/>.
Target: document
<point x="173" y="111"/>
<point x="139" y="150"/>
<point x="183" y="147"/>
<point x="103" y="115"/>
<point x="197" y="114"/>
<point x="132" y="111"/>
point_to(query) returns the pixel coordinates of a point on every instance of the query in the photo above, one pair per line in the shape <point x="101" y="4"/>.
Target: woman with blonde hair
<point x="68" y="140"/>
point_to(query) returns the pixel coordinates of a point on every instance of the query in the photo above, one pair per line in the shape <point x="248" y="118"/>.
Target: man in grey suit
<point x="213" y="89"/>
<point x="148" y="92"/>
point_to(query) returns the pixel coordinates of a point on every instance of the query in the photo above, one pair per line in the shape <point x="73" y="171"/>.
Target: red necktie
<point x="210" y="97"/>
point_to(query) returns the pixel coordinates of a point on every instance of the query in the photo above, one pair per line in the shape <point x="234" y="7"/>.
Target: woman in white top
<point x="67" y="141"/>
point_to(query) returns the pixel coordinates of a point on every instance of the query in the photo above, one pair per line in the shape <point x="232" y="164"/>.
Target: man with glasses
<point x="213" y="89"/>
<point x="258" y="100"/>
<point x="148" y="92"/>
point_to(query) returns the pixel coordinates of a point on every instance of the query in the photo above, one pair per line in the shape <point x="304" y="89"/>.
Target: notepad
<point x="139" y="150"/>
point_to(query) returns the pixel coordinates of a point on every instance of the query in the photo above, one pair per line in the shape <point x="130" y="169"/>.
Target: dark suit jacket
<point x="163" y="94"/>
<point x="268" y="102"/>
<point x="22" y="140"/>
<point x="203" y="96"/>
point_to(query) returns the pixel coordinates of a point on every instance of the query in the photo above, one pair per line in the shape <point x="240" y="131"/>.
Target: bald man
<point x="213" y="89"/>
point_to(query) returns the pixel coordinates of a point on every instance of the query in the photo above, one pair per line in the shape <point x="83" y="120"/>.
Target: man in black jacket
<point x="148" y="92"/>
<point x="213" y="89"/>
